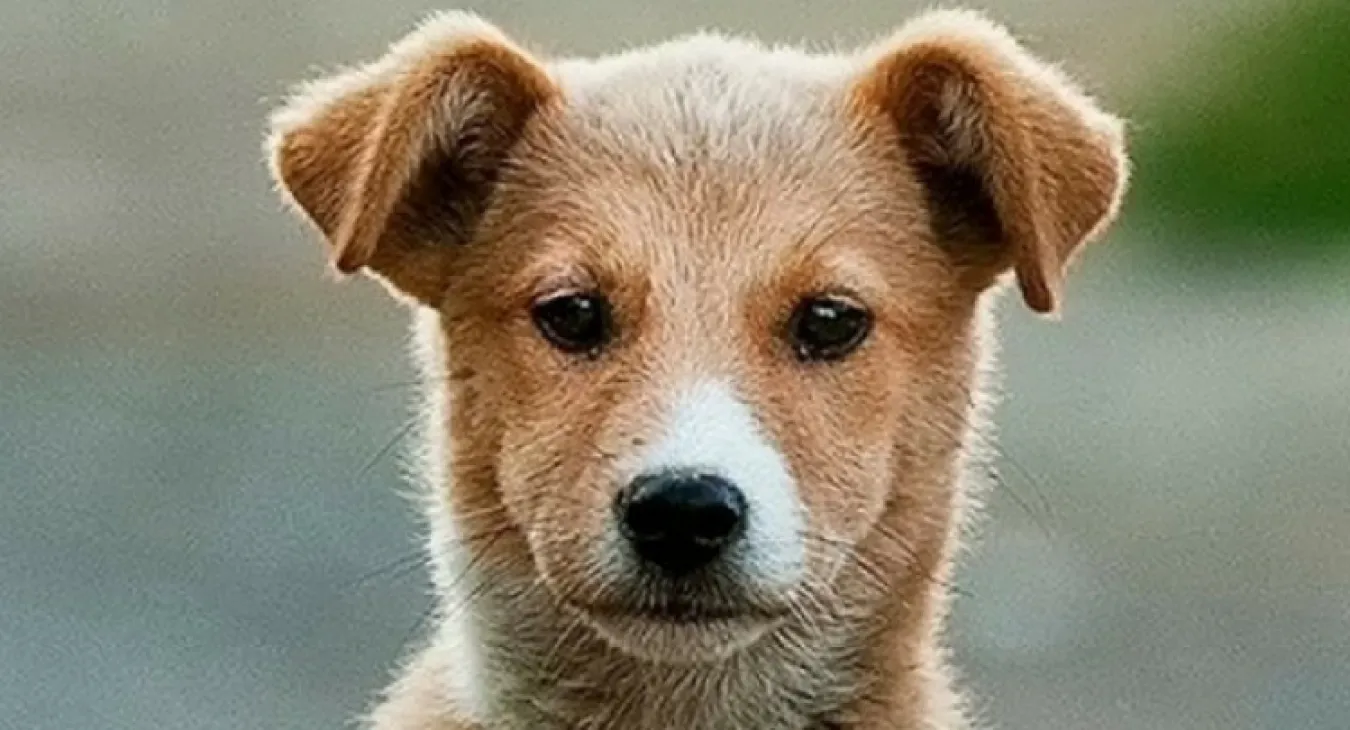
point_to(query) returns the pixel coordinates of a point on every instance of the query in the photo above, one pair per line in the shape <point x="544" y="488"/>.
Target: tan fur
<point x="705" y="186"/>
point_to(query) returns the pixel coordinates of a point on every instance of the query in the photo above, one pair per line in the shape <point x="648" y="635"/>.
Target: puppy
<point x="703" y="327"/>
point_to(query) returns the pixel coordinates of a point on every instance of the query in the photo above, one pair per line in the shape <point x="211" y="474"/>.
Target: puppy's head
<point x="709" y="309"/>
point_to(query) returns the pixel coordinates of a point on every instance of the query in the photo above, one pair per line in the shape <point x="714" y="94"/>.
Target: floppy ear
<point x="1006" y="146"/>
<point x="394" y="162"/>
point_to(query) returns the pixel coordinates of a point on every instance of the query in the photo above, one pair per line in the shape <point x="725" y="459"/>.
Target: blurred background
<point x="200" y="524"/>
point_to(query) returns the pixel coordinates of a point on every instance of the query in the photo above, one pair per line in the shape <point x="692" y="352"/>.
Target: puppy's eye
<point x="827" y="328"/>
<point x="574" y="323"/>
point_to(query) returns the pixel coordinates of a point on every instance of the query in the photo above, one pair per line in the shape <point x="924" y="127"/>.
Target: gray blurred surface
<point x="190" y="414"/>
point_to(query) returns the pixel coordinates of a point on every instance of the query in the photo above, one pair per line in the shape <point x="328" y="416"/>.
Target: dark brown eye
<point x="827" y="328"/>
<point x="574" y="323"/>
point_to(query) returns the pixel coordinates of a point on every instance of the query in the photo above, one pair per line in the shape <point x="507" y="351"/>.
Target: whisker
<point x="962" y="428"/>
<point x="408" y="563"/>
<point x="1035" y="485"/>
<point x="401" y="566"/>
<point x="420" y="624"/>
<point x="407" y="385"/>
<point x="472" y="566"/>
<point x="403" y="431"/>
<point x="873" y="572"/>
<point x="904" y="546"/>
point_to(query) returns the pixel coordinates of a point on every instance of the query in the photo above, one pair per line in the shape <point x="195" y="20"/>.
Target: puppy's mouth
<point x="682" y="612"/>
<point x="680" y="630"/>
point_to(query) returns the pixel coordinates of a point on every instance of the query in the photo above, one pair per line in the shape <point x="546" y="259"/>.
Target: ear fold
<point x="394" y="162"/>
<point x="1006" y="145"/>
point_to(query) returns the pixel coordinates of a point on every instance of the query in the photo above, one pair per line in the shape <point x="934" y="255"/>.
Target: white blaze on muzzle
<point x="709" y="429"/>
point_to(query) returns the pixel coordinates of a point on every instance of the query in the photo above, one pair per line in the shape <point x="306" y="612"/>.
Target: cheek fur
<point x="835" y="424"/>
<point x="571" y="433"/>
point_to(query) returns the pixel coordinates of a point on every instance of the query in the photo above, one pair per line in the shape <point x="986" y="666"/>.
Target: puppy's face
<point x="708" y="372"/>
<point x="708" y="309"/>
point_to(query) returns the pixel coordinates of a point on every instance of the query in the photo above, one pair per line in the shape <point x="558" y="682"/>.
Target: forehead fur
<point x="703" y="122"/>
<point x="679" y="139"/>
<point x="708" y="94"/>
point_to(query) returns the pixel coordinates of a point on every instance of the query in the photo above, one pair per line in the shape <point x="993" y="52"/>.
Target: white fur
<point x="452" y="569"/>
<point x="711" y="429"/>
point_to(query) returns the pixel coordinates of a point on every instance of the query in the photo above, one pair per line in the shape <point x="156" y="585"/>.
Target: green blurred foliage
<point x="1255" y="145"/>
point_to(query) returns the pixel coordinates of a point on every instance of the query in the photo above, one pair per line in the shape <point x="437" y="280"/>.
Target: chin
<point x="691" y="639"/>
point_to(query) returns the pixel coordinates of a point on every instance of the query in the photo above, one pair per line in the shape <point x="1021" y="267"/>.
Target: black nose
<point x="679" y="522"/>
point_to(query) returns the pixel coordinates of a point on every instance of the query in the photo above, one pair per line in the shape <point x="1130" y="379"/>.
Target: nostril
<point x="646" y="516"/>
<point x="716" y="514"/>
<point x="681" y="521"/>
<point x="717" y="521"/>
